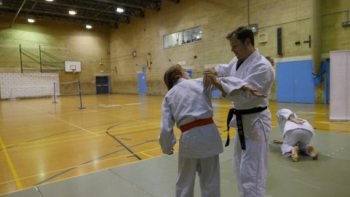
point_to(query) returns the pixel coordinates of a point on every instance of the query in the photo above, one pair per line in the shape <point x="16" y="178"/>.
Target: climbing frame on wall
<point x="39" y="60"/>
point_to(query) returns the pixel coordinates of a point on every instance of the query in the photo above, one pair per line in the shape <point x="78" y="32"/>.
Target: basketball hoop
<point x="73" y="68"/>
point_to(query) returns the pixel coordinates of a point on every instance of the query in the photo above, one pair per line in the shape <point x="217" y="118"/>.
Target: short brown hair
<point x="242" y="33"/>
<point x="171" y="75"/>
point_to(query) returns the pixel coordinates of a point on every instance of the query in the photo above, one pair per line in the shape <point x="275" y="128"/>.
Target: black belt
<point x="239" y="113"/>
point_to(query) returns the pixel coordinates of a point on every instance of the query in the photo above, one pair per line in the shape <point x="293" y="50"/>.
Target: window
<point x="183" y="37"/>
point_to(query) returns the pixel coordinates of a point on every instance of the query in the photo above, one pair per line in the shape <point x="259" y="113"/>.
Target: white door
<point x="339" y="85"/>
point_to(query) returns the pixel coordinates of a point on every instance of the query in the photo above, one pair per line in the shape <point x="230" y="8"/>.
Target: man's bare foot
<point x="295" y="153"/>
<point x="312" y="152"/>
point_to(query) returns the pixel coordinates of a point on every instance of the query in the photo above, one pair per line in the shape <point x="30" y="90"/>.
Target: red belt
<point x="196" y="123"/>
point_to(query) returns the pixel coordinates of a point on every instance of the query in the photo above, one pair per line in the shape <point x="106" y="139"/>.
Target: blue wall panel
<point x="215" y="94"/>
<point x="284" y="79"/>
<point x="295" y="82"/>
<point x="142" y="83"/>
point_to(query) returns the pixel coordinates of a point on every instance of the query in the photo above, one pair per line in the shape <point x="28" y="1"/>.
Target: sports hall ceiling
<point x="95" y="12"/>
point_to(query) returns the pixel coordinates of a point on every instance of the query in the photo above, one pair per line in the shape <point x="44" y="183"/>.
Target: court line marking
<point x="310" y="112"/>
<point x="65" y="170"/>
<point x="128" y="104"/>
<point x="117" y="105"/>
<point x="121" y="143"/>
<point x="89" y="163"/>
<point x="73" y="137"/>
<point x="322" y="122"/>
<point x="109" y="106"/>
<point x="145" y="154"/>
<point x="71" y="124"/>
<point x="72" y="168"/>
<point x="12" y="167"/>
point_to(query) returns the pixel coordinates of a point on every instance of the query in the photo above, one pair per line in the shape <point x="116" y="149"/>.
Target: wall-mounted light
<point x="120" y="10"/>
<point x="72" y="12"/>
<point x="0" y="2"/>
<point x="31" y="20"/>
<point x="253" y="27"/>
<point x="88" y="26"/>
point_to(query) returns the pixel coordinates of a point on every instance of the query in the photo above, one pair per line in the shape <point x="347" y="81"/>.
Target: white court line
<point x="305" y="112"/>
<point x="133" y="104"/>
<point x="107" y="106"/>
<point x="118" y="105"/>
<point x="322" y="122"/>
<point x="74" y="125"/>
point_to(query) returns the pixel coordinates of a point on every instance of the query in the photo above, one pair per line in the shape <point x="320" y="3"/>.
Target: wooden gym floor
<point x="42" y="142"/>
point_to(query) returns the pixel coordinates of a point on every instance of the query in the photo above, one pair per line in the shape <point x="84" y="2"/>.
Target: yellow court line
<point x="12" y="167"/>
<point x="80" y="165"/>
<point x="148" y="150"/>
<point x="53" y="140"/>
<point x="85" y="164"/>
<point x="147" y="155"/>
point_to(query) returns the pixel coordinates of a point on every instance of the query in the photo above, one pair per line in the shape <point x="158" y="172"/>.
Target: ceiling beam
<point x="81" y="7"/>
<point x="18" y="11"/>
<point x="122" y="4"/>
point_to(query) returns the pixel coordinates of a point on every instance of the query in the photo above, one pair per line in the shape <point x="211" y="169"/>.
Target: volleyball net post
<point x="80" y="97"/>
<point x="54" y="93"/>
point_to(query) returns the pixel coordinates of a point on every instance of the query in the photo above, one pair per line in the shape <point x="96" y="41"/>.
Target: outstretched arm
<point x="210" y="78"/>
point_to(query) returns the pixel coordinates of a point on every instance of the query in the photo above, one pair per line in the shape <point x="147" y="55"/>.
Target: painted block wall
<point x="59" y="42"/>
<point x="113" y="47"/>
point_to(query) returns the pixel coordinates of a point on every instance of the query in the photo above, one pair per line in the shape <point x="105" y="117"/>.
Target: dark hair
<point x="242" y="33"/>
<point x="270" y="59"/>
<point x="171" y="75"/>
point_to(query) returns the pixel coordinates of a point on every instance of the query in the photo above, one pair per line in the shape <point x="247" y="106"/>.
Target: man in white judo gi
<point x="297" y="134"/>
<point x="251" y="117"/>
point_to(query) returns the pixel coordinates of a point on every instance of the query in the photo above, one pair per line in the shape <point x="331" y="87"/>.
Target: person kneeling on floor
<point x="297" y="134"/>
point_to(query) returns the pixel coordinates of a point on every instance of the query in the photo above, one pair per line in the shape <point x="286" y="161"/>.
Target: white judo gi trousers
<point x="250" y="165"/>
<point x="208" y="170"/>
<point x="296" y="137"/>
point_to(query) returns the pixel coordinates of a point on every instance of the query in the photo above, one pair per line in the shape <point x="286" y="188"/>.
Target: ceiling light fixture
<point x="49" y="0"/>
<point x="88" y="26"/>
<point x="72" y="12"/>
<point x="120" y="10"/>
<point x="31" y="20"/>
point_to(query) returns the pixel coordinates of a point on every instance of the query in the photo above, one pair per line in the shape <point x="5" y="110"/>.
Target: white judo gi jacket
<point x="199" y="142"/>
<point x="287" y="125"/>
<point x="293" y="133"/>
<point x="199" y="147"/>
<point x="250" y="165"/>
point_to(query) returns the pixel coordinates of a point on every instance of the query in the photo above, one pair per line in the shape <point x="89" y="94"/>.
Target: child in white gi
<point x="188" y="105"/>
<point x="297" y="134"/>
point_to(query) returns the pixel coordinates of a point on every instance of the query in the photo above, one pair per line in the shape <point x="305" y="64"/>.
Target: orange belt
<point x="196" y="123"/>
